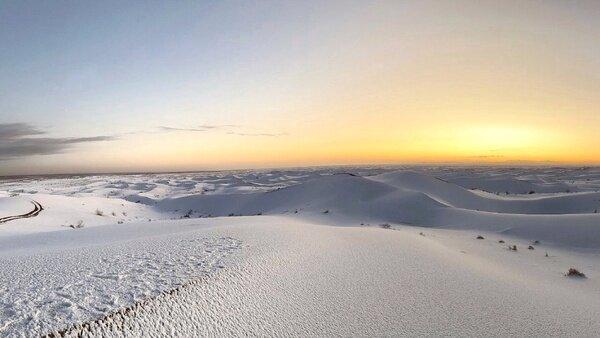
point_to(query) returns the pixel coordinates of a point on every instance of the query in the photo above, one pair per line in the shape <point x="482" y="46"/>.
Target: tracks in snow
<point x="36" y="210"/>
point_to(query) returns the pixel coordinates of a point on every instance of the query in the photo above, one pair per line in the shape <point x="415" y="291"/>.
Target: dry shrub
<point x="575" y="273"/>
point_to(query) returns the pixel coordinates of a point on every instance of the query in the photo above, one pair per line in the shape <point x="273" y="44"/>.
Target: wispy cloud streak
<point x="225" y="127"/>
<point x="257" y="134"/>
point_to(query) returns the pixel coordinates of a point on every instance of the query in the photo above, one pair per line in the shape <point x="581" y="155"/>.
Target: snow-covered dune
<point x="398" y="197"/>
<point x="511" y="185"/>
<point x="343" y="195"/>
<point x="459" y="197"/>
<point x="406" y="197"/>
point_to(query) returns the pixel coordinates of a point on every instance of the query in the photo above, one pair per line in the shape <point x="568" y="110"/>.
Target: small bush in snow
<point x="501" y="241"/>
<point x="99" y="212"/>
<point x="480" y="237"/>
<point x="575" y="273"/>
<point x="77" y="225"/>
<point x="531" y="247"/>
<point x="385" y="226"/>
<point x="113" y="213"/>
<point x="326" y="211"/>
<point x="512" y="247"/>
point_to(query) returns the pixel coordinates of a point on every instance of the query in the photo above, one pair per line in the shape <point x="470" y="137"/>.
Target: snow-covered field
<point x="321" y="251"/>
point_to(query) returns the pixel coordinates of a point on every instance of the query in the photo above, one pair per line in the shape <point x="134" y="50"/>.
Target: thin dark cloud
<point x="20" y="140"/>
<point x="9" y="131"/>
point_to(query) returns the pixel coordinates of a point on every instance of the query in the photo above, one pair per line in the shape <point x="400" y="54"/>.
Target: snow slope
<point x="291" y="277"/>
<point x="49" y="281"/>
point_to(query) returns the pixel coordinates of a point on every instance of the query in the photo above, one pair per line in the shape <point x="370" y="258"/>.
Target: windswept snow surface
<point x="326" y="251"/>
<point x="87" y="275"/>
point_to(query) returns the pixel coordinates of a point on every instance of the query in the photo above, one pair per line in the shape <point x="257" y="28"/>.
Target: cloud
<point x="226" y="127"/>
<point x="217" y="126"/>
<point x="257" y="134"/>
<point x="200" y="128"/>
<point x="10" y="131"/>
<point x="164" y="128"/>
<point x="20" y="140"/>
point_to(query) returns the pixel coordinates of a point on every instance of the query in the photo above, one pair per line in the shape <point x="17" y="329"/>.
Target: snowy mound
<point x="343" y="194"/>
<point x="459" y="197"/>
<point x="442" y="191"/>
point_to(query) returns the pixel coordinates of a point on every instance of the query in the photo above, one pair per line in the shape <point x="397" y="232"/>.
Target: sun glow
<point x="482" y="140"/>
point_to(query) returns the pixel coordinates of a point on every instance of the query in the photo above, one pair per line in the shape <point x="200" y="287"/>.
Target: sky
<point x="105" y="86"/>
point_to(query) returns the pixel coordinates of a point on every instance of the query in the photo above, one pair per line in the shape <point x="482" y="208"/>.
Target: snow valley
<point x="308" y="251"/>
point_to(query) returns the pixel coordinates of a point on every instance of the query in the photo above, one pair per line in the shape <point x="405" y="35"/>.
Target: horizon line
<point x="522" y="164"/>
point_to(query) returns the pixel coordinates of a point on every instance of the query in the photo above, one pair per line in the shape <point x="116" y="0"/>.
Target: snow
<point x="459" y="197"/>
<point x="58" y="287"/>
<point x="301" y="279"/>
<point x="10" y="206"/>
<point x="304" y="255"/>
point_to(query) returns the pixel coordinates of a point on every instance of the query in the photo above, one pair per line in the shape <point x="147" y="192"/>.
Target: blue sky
<point x="82" y="63"/>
